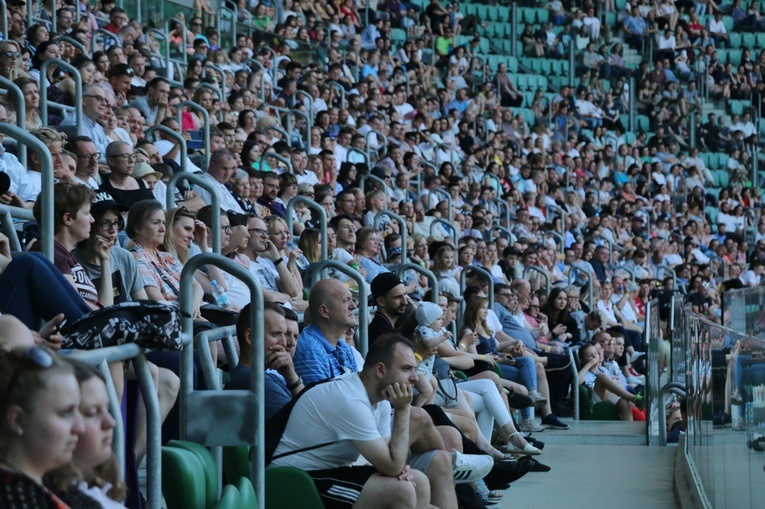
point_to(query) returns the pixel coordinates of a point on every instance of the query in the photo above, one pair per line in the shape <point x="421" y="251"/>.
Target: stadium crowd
<point x="546" y="220"/>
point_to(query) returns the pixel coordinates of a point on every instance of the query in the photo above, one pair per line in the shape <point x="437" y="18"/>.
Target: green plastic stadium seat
<point x="291" y="488"/>
<point x="542" y="15"/>
<point x="230" y="499"/>
<point x="207" y="461"/>
<point x="735" y="40"/>
<point x="748" y="40"/>
<point x="183" y="480"/>
<point x="247" y="492"/>
<point x="236" y="463"/>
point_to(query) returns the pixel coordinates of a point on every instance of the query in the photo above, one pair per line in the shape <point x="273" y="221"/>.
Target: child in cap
<point x="428" y="335"/>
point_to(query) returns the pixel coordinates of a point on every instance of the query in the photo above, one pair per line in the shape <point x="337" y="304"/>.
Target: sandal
<point x="496" y="495"/>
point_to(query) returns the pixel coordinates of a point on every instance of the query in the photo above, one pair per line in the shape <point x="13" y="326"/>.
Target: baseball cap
<point x="104" y="201"/>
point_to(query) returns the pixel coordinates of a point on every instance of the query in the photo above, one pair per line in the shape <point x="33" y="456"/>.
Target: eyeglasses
<point x="126" y="157"/>
<point x="108" y="226"/>
<point x="101" y="99"/>
<point x="12" y="54"/>
<point x="260" y="231"/>
<point x="95" y="155"/>
<point x="36" y="355"/>
<point x="226" y="229"/>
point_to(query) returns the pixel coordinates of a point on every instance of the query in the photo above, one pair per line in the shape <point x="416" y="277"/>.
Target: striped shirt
<point x="316" y="359"/>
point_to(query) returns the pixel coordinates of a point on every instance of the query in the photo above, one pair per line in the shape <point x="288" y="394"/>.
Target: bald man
<point x="321" y="353"/>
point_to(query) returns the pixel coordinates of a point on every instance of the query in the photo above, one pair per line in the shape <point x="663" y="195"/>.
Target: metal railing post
<point x="21" y="113"/>
<point x="201" y="182"/>
<point x="632" y="105"/>
<point x="184" y="40"/>
<point x="276" y="156"/>
<point x="443" y="192"/>
<point x="486" y="274"/>
<point x="151" y="131"/>
<point x="401" y="229"/>
<point x="283" y="132"/>
<point x="46" y="169"/>
<point x="514" y="29"/>
<point x="384" y="145"/>
<point x="322" y="219"/>
<point x="221" y="97"/>
<point x="153" y="440"/>
<point x="106" y="35"/>
<point x="6" y="222"/>
<point x="308" y="124"/>
<point x="448" y="224"/>
<point x="561" y="240"/>
<point x="504" y="209"/>
<point x="572" y="276"/>
<point x="257" y="364"/>
<point x="354" y="150"/>
<point x="77" y="91"/>
<point x="571" y="62"/>
<point x="4" y="20"/>
<point x="375" y="178"/>
<point x="425" y="272"/>
<point x="363" y="329"/>
<point x="338" y="86"/>
<point x="74" y="42"/>
<point x="540" y="270"/>
<point x="219" y="70"/>
<point x="205" y="117"/>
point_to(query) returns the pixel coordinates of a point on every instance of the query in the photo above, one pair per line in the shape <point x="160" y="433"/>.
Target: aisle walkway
<point x="598" y="464"/>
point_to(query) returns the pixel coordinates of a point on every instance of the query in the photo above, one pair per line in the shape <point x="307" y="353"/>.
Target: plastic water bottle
<point x="221" y="298"/>
<point x="302" y="262"/>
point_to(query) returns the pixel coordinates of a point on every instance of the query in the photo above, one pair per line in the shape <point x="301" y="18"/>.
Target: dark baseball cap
<point x="104" y="201"/>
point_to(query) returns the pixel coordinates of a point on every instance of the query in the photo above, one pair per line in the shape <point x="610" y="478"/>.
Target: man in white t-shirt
<point x="332" y="423"/>
<point x="753" y="276"/>
<point x="223" y="166"/>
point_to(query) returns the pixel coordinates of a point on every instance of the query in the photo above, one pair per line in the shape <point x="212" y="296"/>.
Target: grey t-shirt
<point x="125" y="279"/>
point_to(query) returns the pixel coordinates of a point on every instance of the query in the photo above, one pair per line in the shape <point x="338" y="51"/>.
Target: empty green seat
<point x="207" y="461"/>
<point x="230" y="499"/>
<point x="236" y="463"/>
<point x="542" y="15"/>
<point x="748" y="40"/>
<point x="291" y="488"/>
<point x="642" y="123"/>
<point x="183" y="479"/>
<point x="735" y="40"/>
<point x="760" y="40"/>
<point x="247" y="492"/>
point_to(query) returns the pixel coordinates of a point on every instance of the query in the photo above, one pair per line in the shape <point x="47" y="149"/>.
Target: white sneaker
<point x="635" y="356"/>
<point x="636" y="380"/>
<point x="471" y="467"/>
<point x="537" y="399"/>
<point x="531" y="426"/>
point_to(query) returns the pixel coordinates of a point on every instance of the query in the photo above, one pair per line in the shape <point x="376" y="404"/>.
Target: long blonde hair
<point x="171" y="217"/>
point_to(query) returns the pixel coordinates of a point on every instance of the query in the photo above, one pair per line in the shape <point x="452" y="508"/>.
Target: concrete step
<point x="595" y="433"/>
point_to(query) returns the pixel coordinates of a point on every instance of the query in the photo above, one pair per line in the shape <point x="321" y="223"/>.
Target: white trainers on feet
<point x="531" y="426"/>
<point x="471" y="467"/>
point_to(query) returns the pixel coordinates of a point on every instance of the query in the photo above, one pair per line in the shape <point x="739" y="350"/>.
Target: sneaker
<point x="531" y="426"/>
<point x="525" y="450"/>
<point x="537" y="399"/>
<point x="636" y="380"/>
<point x="519" y="400"/>
<point x="736" y="398"/>
<point x="635" y="356"/>
<point x="534" y="465"/>
<point x="551" y="421"/>
<point x="471" y="467"/>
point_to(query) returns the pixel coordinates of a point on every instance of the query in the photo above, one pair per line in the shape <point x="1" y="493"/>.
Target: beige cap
<point x="140" y="170"/>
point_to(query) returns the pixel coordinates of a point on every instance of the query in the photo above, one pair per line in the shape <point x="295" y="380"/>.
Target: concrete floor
<point x="591" y="470"/>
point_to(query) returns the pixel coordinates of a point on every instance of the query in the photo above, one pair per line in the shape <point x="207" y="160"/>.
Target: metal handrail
<point x="425" y="272"/>
<point x="571" y="277"/>
<point x="230" y="7"/>
<point x="451" y="151"/>
<point x="202" y="343"/>
<point x="497" y="182"/>
<point x="276" y="156"/>
<point x="575" y="381"/>
<point x="375" y="178"/>
<point x="308" y="123"/>
<point x="483" y="272"/>
<point x="184" y="41"/>
<point x="339" y="87"/>
<point x="502" y="229"/>
<point x="540" y="270"/>
<point x="355" y="150"/>
<point x="363" y="329"/>
<point x="308" y="105"/>
<point x="322" y="219"/>
<point x="284" y="133"/>
<point x="6" y="223"/>
<point x="4" y="20"/>
<point x="106" y="35"/>
<point x="206" y="127"/>
<point x="21" y="113"/>
<point x="178" y="138"/>
<point x="377" y="151"/>
<point x="557" y="236"/>
<point x="439" y="191"/>
<point x="679" y="389"/>
<point x="219" y="70"/>
<point x="674" y="276"/>
<point x="77" y="91"/>
<point x="502" y="205"/>
<point x="204" y="184"/>
<point x="99" y="358"/>
<point x="401" y="229"/>
<point x="74" y="42"/>
<point x="257" y="365"/>
<point x="46" y="171"/>
<point x="166" y="57"/>
<point x="400" y="72"/>
<point x="448" y="224"/>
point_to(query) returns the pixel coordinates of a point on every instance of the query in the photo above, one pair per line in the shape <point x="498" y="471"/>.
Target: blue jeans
<point x="523" y="372"/>
<point x="33" y="289"/>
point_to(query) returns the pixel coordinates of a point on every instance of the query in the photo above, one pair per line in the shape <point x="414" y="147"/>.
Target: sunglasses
<point x="35" y="355"/>
<point x="12" y="54"/>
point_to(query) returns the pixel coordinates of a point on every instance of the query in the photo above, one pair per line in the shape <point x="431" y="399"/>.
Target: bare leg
<point x="381" y="492"/>
<point x="544" y="388"/>
<point x="451" y="437"/>
<point x="423" y="435"/>
<point x="441" y="481"/>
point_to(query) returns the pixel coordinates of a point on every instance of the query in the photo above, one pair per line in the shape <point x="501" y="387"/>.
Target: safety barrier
<point x="432" y="279"/>
<point x="276" y="156"/>
<point x="448" y="224"/>
<point x="206" y="126"/>
<point x="204" y="184"/>
<point x="21" y="113"/>
<point x="322" y="219"/>
<point x="151" y="135"/>
<point x="539" y="270"/>
<point x="224" y="418"/>
<point x="401" y="229"/>
<point x="63" y="64"/>
<point x="438" y="191"/>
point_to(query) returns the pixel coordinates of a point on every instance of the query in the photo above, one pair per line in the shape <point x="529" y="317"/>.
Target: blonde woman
<point x="10" y="60"/>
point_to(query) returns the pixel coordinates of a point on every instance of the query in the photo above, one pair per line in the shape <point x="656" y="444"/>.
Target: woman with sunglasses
<point x="10" y="60"/>
<point x="91" y="479"/>
<point x="40" y="423"/>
